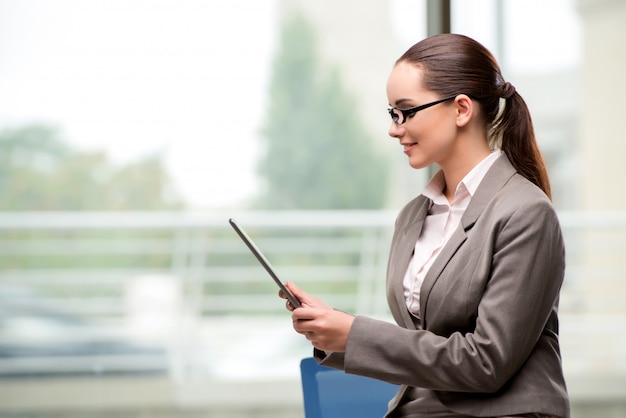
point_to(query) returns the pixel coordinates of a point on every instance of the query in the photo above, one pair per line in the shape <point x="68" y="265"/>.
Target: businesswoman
<point x="476" y="261"/>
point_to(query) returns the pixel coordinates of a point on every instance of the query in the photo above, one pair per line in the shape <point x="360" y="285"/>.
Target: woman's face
<point x="428" y="136"/>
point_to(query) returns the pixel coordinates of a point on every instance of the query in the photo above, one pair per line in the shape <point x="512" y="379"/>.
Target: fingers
<point x="301" y="328"/>
<point x="288" y="304"/>
<point x="326" y="329"/>
<point x="305" y="327"/>
<point x="305" y="298"/>
<point x="300" y="294"/>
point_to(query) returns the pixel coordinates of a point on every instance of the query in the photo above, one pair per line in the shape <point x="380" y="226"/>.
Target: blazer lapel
<point x="497" y="176"/>
<point x="402" y="251"/>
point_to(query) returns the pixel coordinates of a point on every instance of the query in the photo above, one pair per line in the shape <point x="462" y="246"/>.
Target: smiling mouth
<point x="407" y="147"/>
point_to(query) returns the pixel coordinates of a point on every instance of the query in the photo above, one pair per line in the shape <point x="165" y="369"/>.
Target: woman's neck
<point x="456" y="169"/>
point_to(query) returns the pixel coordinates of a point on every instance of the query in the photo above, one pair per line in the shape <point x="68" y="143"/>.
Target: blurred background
<point x="131" y="130"/>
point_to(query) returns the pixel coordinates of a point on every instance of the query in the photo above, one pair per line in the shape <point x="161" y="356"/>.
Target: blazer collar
<point x="495" y="179"/>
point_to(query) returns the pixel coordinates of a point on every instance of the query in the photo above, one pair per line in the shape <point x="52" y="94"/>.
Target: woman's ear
<point x="464" y="109"/>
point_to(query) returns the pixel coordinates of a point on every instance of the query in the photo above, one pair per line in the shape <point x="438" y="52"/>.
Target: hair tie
<point x="508" y="90"/>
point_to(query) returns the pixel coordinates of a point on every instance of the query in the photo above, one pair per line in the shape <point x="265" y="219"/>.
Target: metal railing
<point x="85" y="259"/>
<point x="105" y="266"/>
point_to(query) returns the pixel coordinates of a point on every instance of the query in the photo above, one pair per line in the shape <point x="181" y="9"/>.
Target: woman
<point x="476" y="261"/>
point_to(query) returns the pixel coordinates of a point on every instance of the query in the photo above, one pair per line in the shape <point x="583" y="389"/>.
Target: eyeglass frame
<point x="410" y="112"/>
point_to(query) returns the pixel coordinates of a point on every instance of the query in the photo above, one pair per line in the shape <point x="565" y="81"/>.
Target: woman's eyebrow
<point x="400" y="102"/>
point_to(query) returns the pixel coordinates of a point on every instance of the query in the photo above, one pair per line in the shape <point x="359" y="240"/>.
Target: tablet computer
<point x="264" y="262"/>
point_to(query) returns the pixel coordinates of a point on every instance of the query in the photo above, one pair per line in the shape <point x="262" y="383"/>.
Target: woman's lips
<point x="408" y="147"/>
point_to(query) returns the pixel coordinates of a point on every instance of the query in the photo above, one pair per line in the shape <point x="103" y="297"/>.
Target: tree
<point x="38" y="172"/>
<point x="318" y="155"/>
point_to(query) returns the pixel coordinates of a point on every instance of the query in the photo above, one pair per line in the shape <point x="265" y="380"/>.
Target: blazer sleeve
<point x="521" y="265"/>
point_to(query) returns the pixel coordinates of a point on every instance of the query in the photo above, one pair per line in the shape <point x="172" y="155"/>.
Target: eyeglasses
<point x="399" y="116"/>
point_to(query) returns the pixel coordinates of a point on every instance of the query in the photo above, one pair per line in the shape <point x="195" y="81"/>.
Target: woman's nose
<point x="396" y="131"/>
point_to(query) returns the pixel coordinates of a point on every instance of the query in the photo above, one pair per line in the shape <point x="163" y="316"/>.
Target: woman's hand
<point x="326" y="328"/>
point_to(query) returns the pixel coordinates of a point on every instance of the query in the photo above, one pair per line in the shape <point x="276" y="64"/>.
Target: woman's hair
<point x="455" y="64"/>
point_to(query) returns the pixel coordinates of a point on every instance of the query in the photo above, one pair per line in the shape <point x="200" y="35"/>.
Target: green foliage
<point x="39" y="172"/>
<point x="318" y="155"/>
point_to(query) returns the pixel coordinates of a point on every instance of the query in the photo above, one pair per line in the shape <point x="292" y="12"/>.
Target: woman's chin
<point x="418" y="164"/>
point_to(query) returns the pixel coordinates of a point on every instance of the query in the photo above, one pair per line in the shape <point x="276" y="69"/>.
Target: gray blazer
<point x="488" y="342"/>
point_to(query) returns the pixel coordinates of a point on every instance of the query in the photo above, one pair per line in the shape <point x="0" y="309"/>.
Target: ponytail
<point x="514" y="129"/>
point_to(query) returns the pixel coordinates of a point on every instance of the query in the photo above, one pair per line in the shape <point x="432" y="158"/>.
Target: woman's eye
<point x="410" y="114"/>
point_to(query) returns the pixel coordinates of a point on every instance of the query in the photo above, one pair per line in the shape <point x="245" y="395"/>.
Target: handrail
<point x="88" y="263"/>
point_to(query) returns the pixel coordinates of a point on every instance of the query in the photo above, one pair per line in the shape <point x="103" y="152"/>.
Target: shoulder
<point x="521" y="212"/>
<point x="520" y="195"/>
<point x="509" y="191"/>
<point x="507" y="201"/>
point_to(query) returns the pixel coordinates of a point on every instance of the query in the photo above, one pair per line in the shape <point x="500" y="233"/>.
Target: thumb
<point x="300" y="294"/>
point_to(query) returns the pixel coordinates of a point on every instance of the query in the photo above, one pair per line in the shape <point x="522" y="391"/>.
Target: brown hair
<point x="455" y="64"/>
